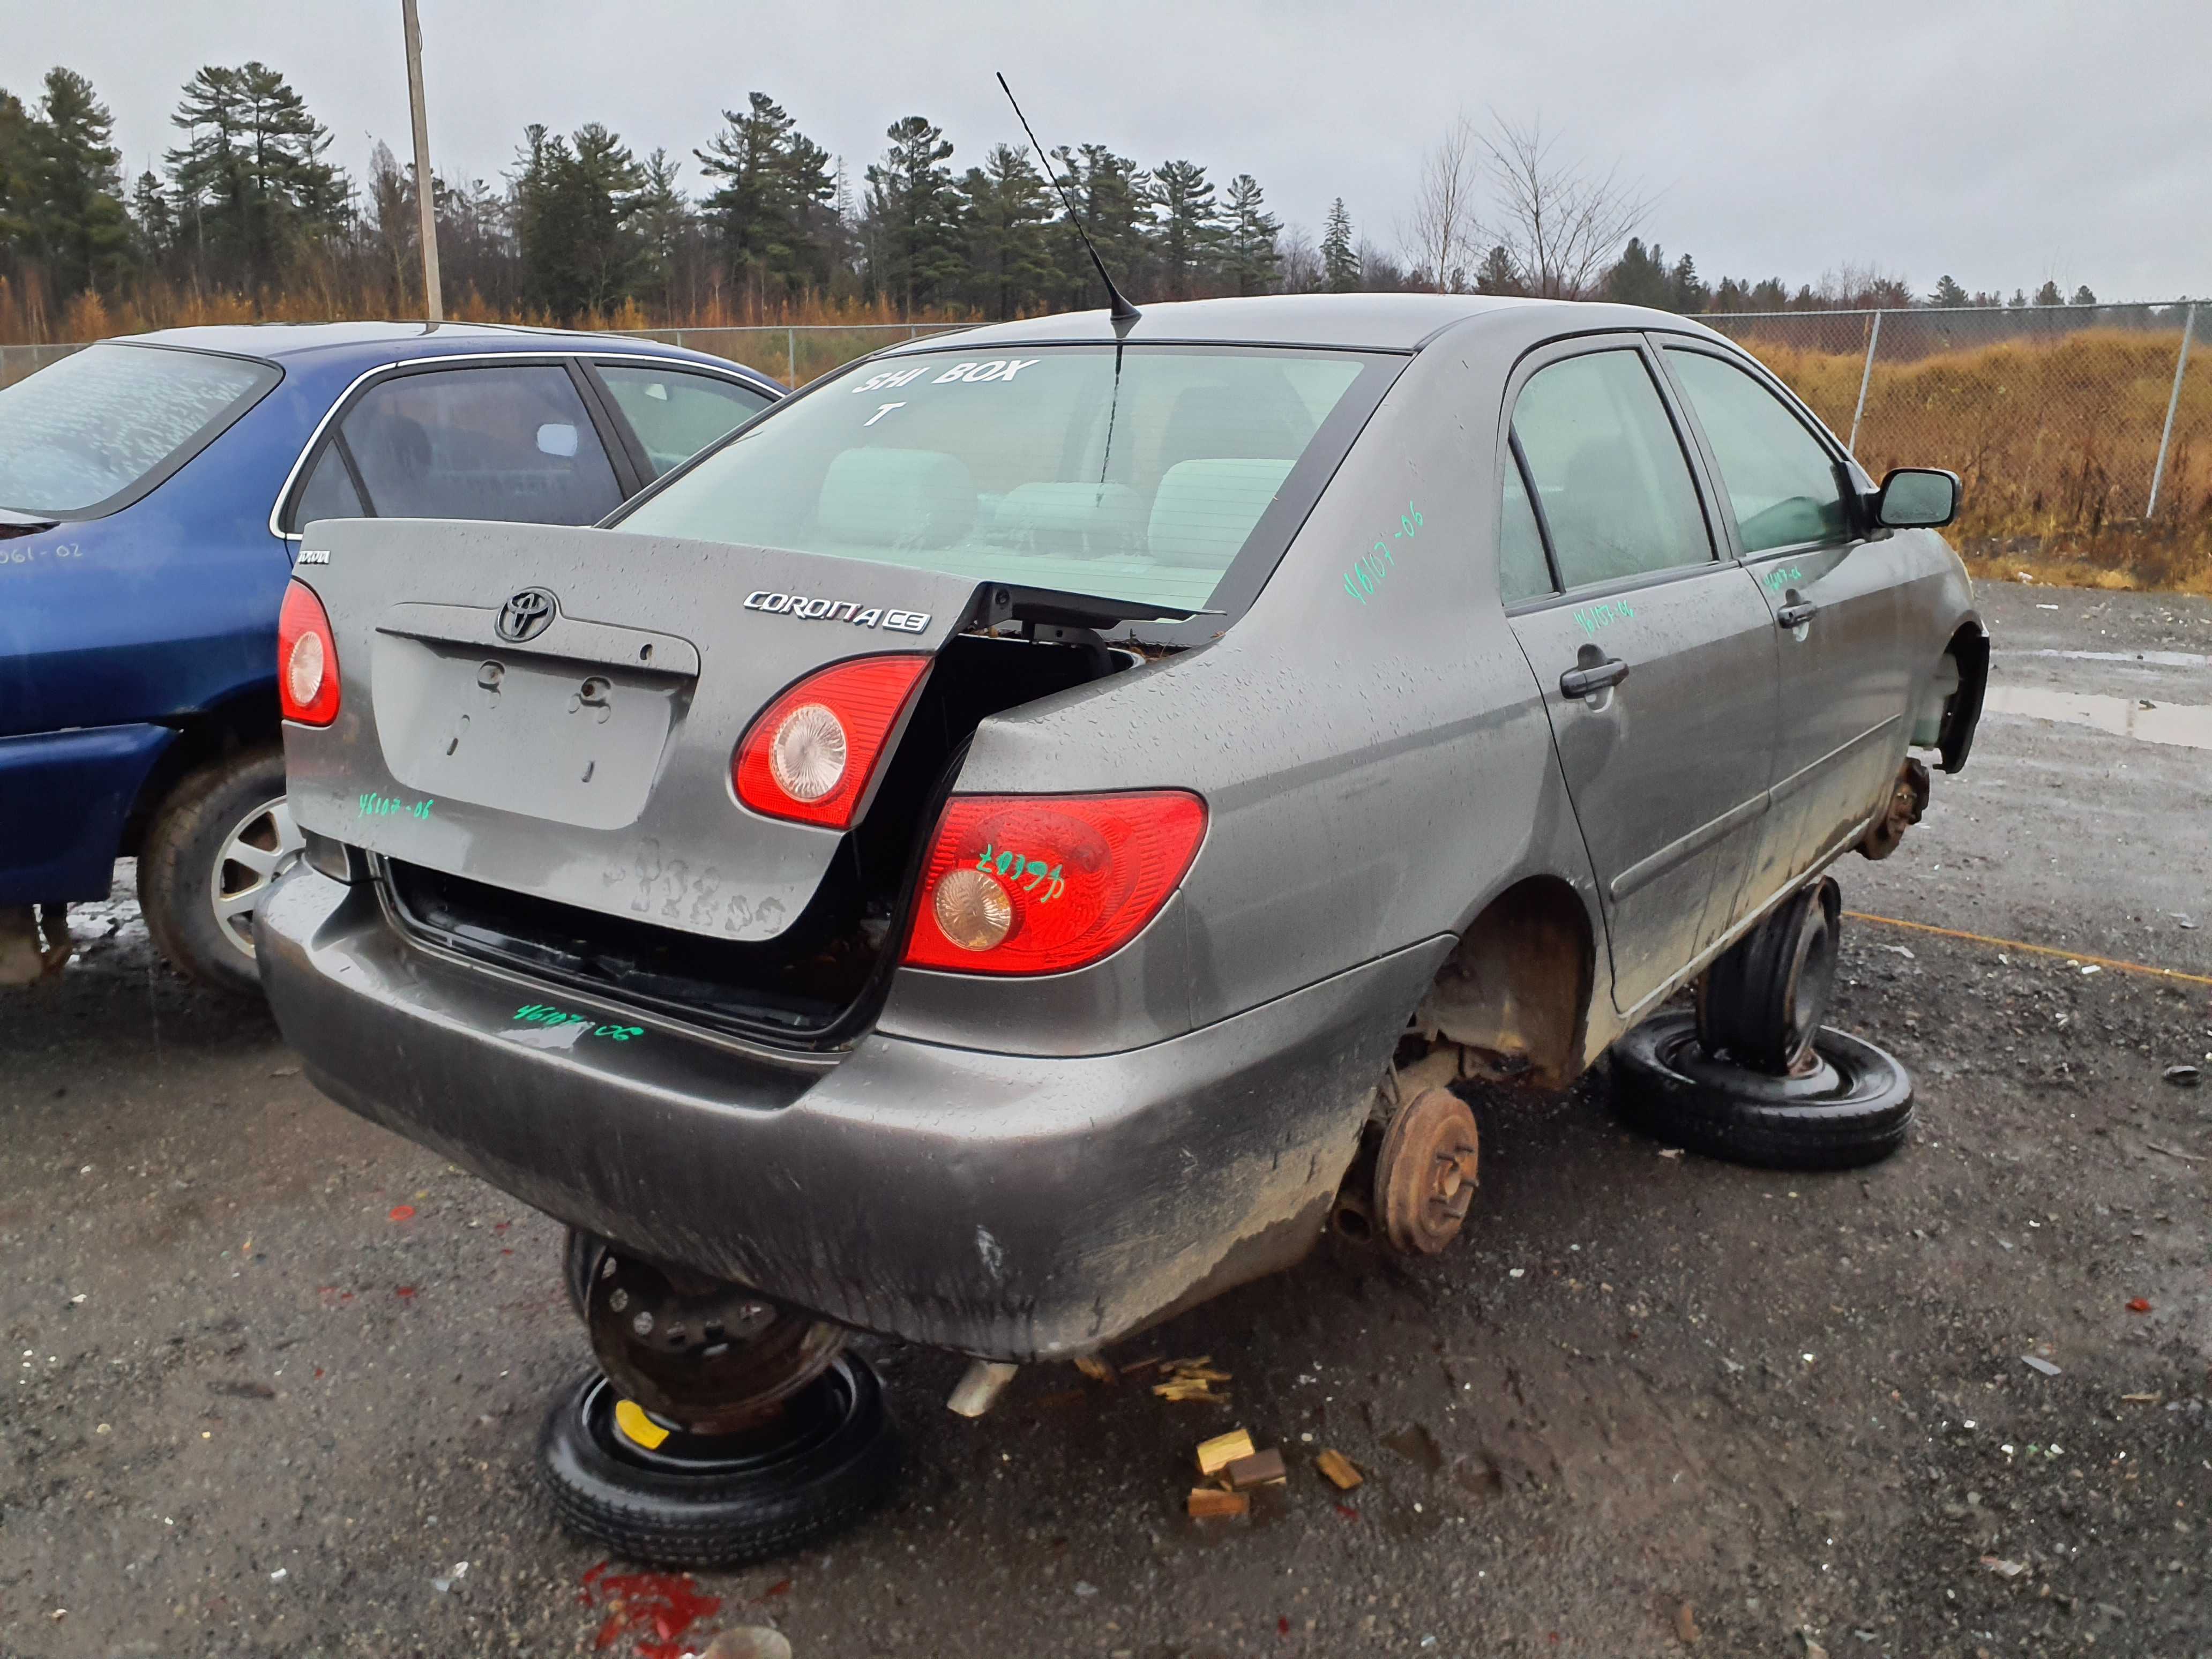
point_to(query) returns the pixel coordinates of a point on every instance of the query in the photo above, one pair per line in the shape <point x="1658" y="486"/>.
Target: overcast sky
<point x="2000" y="142"/>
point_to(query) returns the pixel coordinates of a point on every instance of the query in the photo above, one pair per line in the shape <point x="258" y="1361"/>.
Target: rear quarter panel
<point x="1376" y="765"/>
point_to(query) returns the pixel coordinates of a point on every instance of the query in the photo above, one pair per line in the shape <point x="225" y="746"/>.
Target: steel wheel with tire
<point x="686" y="1500"/>
<point x="222" y="837"/>
<point x="1851" y="1106"/>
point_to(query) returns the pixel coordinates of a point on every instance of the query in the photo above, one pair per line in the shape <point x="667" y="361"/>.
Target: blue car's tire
<point x="726" y="1500"/>
<point x="1855" y="1108"/>
<point x="216" y="842"/>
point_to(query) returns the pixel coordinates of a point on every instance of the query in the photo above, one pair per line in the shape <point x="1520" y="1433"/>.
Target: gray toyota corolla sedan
<point x="959" y="860"/>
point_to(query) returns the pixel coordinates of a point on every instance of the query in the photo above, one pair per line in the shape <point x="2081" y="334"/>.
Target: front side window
<point x="676" y="414"/>
<point x="1780" y="481"/>
<point x="83" y="435"/>
<point x="1614" y="484"/>
<point x="1139" y="476"/>
<point x="505" y="443"/>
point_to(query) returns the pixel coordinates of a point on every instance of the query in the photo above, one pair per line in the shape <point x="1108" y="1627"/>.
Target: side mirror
<point x="1917" y="498"/>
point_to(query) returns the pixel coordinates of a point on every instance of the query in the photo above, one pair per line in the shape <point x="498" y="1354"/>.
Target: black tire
<point x="580" y="1255"/>
<point x="729" y="1500"/>
<point x="178" y="873"/>
<point x="1763" y="999"/>
<point x="1856" y="1108"/>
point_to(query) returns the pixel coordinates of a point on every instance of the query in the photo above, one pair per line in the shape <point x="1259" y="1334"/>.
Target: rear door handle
<point x="1796" y="614"/>
<point x="1591" y="679"/>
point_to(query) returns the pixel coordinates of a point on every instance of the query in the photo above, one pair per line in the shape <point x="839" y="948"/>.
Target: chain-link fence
<point x="2084" y="430"/>
<point x="17" y="361"/>
<point x="796" y="354"/>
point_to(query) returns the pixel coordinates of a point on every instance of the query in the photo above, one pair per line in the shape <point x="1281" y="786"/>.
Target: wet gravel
<point x="277" y="1373"/>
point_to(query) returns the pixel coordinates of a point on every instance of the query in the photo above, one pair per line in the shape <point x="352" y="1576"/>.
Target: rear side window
<point x="507" y="443"/>
<point x="1522" y="571"/>
<point x="1610" y="471"/>
<point x="676" y="415"/>
<point x="1780" y="481"/>
<point x="93" y="432"/>
<point x="329" y="493"/>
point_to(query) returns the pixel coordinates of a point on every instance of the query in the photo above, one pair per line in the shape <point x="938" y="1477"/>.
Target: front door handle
<point x="1796" y="613"/>
<point x="1587" y="678"/>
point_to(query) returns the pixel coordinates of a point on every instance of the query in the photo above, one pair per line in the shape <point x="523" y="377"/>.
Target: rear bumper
<point x="64" y="797"/>
<point x="1015" y="1208"/>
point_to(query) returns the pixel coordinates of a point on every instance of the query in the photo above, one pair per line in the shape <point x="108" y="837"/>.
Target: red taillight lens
<point x="1042" y="884"/>
<point x="810" y="754"/>
<point x="307" y="659"/>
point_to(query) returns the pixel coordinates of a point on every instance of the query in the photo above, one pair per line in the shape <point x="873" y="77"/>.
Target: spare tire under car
<point x="692" y="1500"/>
<point x="1854" y="1106"/>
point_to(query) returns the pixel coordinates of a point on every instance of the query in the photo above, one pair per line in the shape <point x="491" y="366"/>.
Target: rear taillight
<point x="1042" y="884"/>
<point x="307" y="659"/>
<point x="811" y="754"/>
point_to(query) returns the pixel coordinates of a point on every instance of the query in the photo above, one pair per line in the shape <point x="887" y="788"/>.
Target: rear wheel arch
<point x="1517" y="987"/>
<point x="245" y="718"/>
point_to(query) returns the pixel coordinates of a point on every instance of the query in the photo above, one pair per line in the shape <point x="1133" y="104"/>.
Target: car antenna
<point x="1118" y="304"/>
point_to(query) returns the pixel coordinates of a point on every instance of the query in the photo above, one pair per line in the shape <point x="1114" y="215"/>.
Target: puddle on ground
<point x="2188" y="725"/>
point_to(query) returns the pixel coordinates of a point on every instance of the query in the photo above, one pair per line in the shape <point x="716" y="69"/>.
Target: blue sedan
<point x="152" y="493"/>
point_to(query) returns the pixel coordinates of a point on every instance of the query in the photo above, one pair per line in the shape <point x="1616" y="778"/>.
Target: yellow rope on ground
<point x="2034" y="949"/>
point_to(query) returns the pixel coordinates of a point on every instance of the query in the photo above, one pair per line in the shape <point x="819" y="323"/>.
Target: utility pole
<point x="425" y="195"/>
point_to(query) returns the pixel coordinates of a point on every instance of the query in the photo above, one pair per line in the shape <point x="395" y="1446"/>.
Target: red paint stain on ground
<point x="1282" y="1627"/>
<point x="656" y="1610"/>
<point x="781" y="1587"/>
<point x="403" y="1212"/>
<point x="1348" y="1511"/>
<point x="404" y="1290"/>
<point x="2140" y="1304"/>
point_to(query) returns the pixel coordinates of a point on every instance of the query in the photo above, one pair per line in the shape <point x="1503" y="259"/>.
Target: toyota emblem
<point x="526" y="616"/>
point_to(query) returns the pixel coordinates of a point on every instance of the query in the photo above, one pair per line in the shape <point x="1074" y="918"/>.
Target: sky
<point x="2000" y="144"/>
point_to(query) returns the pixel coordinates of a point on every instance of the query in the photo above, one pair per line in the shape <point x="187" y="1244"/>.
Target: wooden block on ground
<point x="1260" y="1469"/>
<point x="1096" y="1367"/>
<point x="1337" y="1469"/>
<point x="1209" y="1502"/>
<point x="1218" y="1453"/>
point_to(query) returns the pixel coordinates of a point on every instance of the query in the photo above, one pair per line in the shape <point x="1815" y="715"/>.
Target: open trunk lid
<point x="553" y="711"/>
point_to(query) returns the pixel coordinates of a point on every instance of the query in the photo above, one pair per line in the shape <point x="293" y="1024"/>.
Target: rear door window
<point x="675" y="413"/>
<point x="328" y="493"/>
<point x="95" y="431"/>
<point x="510" y="442"/>
<point x="1609" y="470"/>
<point x="1782" y="481"/>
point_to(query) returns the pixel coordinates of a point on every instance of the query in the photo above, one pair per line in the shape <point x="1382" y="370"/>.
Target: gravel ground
<point x="278" y="1373"/>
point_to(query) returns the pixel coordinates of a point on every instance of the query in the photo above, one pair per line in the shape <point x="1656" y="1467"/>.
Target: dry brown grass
<point x="24" y="318"/>
<point x="2056" y="443"/>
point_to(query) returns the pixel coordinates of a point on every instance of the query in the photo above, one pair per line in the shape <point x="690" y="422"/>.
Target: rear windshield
<point x="1173" y="477"/>
<point x="84" y="433"/>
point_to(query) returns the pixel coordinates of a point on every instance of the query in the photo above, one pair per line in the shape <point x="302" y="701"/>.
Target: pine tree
<point x="1638" y="278"/>
<point x="14" y="178"/>
<point x="2083" y="297"/>
<point x="580" y="255"/>
<point x="77" y="224"/>
<point x="1005" y="208"/>
<point x="1496" y="275"/>
<point x="777" y="195"/>
<point x="1339" y="259"/>
<point x="1947" y="293"/>
<point x="153" y="220"/>
<point x="1687" y="292"/>
<point x="661" y="218"/>
<point x="1114" y="195"/>
<point x="253" y="171"/>
<point x="914" y="213"/>
<point x="2048" y="295"/>
<point x="1188" y="240"/>
<point x="1251" y="258"/>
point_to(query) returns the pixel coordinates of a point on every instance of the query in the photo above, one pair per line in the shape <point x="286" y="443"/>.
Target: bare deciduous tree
<point x="1560" y="225"/>
<point x="1442" y="236"/>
